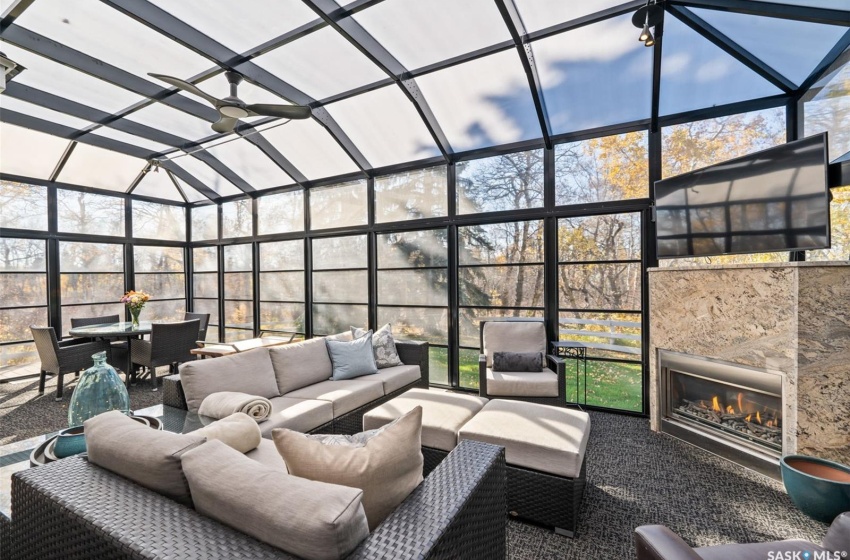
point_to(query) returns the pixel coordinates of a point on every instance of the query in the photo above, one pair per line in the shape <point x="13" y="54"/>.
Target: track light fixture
<point x="645" y="18"/>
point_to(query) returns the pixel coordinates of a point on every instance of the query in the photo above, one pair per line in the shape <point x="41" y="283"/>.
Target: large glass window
<point x="507" y="182"/>
<point x="205" y="286"/>
<point x="159" y="221"/>
<point x="411" y="195"/>
<point x="205" y="223"/>
<point x="24" y="206"/>
<point x="413" y="291"/>
<point x="839" y="217"/>
<point x="91" y="280"/>
<point x="826" y="107"/>
<point x="500" y="274"/>
<point x="159" y="272"/>
<point x="282" y="286"/>
<point x="280" y="213"/>
<point x="238" y="292"/>
<point x="236" y="219"/>
<point x="338" y="206"/>
<point x="94" y="214"/>
<point x="340" y="284"/>
<point x="599" y="305"/>
<point x="23" y="283"/>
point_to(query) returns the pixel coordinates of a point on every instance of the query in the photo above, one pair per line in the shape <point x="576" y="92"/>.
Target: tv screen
<point x="773" y="200"/>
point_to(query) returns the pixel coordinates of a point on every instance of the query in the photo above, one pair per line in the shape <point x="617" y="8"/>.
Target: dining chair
<point x="117" y="348"/>
<point x="204" y="319"/>
<point x="60" y="358"/>
<point x="169" y="345"/>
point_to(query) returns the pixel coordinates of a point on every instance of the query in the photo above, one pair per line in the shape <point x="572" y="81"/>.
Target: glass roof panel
<point x="207" y="175"/>
<point x="157" y="184"/>
<point x="421" y="33"/>
<point x="108" y="35"/>
<point x="248" y="92"/>
<point x="768" y="39"/>
<point x="696" y="74"/>
<point x="250" y="163"/>
<point x="132" y="139"/>
<point x="171" y="120"/>
<point x="28" y="152"/>
<point x="310" y="148"/>
<point x="191" y="194"/>
<point x="58" y="79"/>
<point x="829" y="4"/>
<point x="14" y="104"/>
<point x="225" y="21"/>
<point x="91" y="166"/>
<point x="321" y="64"/>
<point x="485" y="102"/>
<point x="539" y="14"/>
<point x="595" y="75"/>
<point x="384" y="126"/>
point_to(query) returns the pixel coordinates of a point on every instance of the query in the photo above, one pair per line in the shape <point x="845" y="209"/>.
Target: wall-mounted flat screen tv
<point x="773" y="200"/>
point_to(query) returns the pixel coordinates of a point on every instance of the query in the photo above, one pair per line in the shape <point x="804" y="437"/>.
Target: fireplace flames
<point x="744" y="417"/>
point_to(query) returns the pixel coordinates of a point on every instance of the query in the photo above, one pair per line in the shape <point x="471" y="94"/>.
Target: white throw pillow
<point x="383" y="345"/>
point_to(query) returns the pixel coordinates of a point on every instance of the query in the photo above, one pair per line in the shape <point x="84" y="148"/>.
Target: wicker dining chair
<point x="118" y="348"/>
<point x="61" y="358"/>
<point x="204" y="319"/>
<point x="170" y="345"/>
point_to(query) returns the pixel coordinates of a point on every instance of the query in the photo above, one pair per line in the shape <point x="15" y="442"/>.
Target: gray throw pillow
<point x="383" y="345"/>
<point x="352" y="359"/>
<point x="517" y="361"/>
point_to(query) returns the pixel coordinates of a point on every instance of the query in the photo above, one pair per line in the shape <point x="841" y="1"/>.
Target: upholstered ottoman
<point x="443" y="414"/>
<point x="544" y="451"/>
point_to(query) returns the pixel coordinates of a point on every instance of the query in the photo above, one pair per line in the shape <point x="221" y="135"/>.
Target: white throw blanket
<point x="225" y="403"/>
<point x="238" y="430"/>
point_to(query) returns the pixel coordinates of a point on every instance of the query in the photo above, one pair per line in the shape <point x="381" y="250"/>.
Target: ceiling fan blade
<point x="185" y="86"/>
<point x="225" y="124"/>
<point x="285" y="111"/>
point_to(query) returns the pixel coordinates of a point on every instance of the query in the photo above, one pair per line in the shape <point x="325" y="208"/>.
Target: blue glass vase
<point x="99" y="390"/>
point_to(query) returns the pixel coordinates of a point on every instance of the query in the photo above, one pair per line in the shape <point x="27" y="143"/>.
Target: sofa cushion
<point x="301" y="364"/>
<point x="394" y="378"/>
<point x="352" y="359"/>
<point x="517" y="361"/>
<point x="513" y="336"/>
<point x="310" y="519"/>
<point x="443" y="414"/>
<point x="345" y="395"/>
<point x="383" y="345"/>
<point x="150" y="458"/>
<point x="267" y="455"/>
<point x="522" y="383"/>
<point x="385" y="463"/>
<point x="301" y="415"/>
<point x="245" y="372"/>
<point x="535" y="436"/>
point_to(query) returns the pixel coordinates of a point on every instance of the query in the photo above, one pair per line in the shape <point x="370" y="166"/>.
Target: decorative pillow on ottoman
<point x="385" y="463"/>
<point x="383" y="345"/>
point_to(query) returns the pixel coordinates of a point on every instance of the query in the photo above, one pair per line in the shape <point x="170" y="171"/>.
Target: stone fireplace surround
<point x="793" y="318"/>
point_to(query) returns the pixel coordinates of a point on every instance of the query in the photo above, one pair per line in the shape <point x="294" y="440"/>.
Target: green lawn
<point x="609" y="384"/>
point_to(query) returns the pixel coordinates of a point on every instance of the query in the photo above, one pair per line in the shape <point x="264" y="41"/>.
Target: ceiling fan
<point x="231" y="108"/>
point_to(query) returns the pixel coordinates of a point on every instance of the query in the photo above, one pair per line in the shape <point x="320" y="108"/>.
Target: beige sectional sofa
<point x="295" y="378"/>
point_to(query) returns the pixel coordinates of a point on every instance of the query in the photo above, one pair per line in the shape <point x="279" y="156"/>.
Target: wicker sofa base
<point x="542" y="498"/>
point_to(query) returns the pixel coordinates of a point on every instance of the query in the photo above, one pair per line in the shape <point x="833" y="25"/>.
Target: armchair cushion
<point x="522" y="383"/>
<point x="245" y="372"/>
<point x="517" y="361"/>
<point x="513" y="336"/>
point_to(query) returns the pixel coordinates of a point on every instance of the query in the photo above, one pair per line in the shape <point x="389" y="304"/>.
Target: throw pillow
<point x="385" y="463"/>
<point x="386" y="354"/>
<point x="517" y="361"/>
<point x="351" y="359"/>
<point x="309" y="519"/>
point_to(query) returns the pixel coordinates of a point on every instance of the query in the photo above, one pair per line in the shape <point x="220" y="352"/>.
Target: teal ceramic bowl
<point x="70" y="441"/>
<point x="820" y="488"/>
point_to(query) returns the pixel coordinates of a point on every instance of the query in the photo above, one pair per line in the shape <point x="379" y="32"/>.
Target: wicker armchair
<point x="61" y="358"/>
<point x="169" y="345"/>
<point x="118" y="348"/>
<point x="204" y="319"/>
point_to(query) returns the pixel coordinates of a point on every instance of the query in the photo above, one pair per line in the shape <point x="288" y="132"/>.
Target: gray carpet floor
<point x="635" y="477"/>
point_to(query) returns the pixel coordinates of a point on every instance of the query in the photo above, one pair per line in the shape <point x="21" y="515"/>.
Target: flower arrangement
<point x="135" y="301"/>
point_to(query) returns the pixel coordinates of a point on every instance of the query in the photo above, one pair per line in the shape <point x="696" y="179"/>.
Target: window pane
<point x="607" y="335"/>
<point x="205" y="259"/>
<point x="81" y="212"/>
<point x="411" y="195"/>
<point x="282" y="286"/>
<point x="204" y="223"/>
<point x="249" y="162"/>
<point x="537" y="14"/>
<point x="237" y="258"/>
<point x="839" y="217"/>
<point x="238" y="285"/>
<point x="159" y="221"/>
<point x="23" y="289"/>
<point x="332" y="319"/>
<point x="311" y="149"/>
<point x="341" y="286"/>
<point x="16" y="355"/>
<point x="208" y="306"/>
<point x="470" y="318"/>
<point x="24" y="206"/>
<point x="158" y="259"/>
<point x="93" y="310"/>
<point x="232" y="335"/>
<point x="280" y="213"/>
<point x="600" y="286"/>
<point x="509" y="242"/>
<point x="412" y="249"/>
<point x="239" y="314"/>
<point x="22" y="255"/>
<point x="338" y="205"/>
<point x="438" y="365"/>
<point x="286" y="317"/>
<point x="602" y="169"/>
<point x="91" y="288"/>
<point x="29" y="153"/>
<point x="508" y="182"/>
<point x="168" y="311"/>
<point x="501" y="286"/>
<point x="416" y="323"/>
<point x="599" y="238"/>
<point x="282" y="255"/>
<point x="91" y="257"/>
<point x="91" y="166"/>
<point x="413" y="287"/>
<point x="205" y="285"/>
<point x="827" y="108"/>
<point x="236" y="219"/>
<point x="162" y="286"/>
<point x="468" y="368"/>
<point x="16" y="322"/>
<point x="340" y="252"/>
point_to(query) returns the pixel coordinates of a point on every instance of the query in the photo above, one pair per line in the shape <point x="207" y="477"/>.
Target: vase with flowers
<point x="135" y="301"/>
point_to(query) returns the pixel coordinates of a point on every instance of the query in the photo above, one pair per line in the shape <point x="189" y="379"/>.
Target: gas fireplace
<point x="731" y="410"/>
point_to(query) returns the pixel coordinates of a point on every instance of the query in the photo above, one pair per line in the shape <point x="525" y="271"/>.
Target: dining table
<point x="121" y="329"/>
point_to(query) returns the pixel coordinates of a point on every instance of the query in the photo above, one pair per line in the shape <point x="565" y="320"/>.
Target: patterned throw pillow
<point x="517" y="361"/>
<point x="383" y="345"/>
